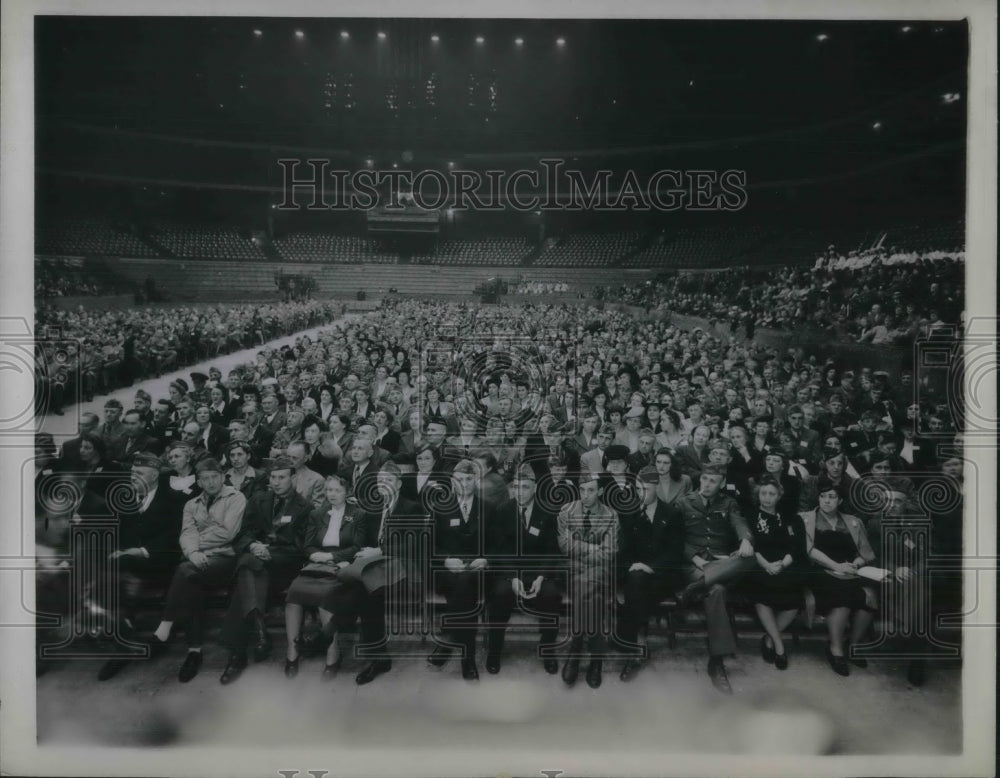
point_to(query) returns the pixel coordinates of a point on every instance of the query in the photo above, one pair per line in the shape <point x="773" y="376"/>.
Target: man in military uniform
<point x="199" y="395"/>
<point x="718" y="550"/>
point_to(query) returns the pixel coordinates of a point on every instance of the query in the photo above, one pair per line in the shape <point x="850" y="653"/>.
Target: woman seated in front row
<point x="838" y="546"/>
<point x="775" y="588"/>
<point x="335" y="532"/>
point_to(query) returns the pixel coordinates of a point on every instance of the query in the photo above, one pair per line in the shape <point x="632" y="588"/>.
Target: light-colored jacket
<point x="310" y="485"/>
<point x="592" y="549"/>
<point x="854" y="526"/>
<point x="212" y="530"/>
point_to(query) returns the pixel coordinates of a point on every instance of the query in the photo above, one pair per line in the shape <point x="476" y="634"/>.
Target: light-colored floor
<point x="671" y="706"/>
<point x="65" y="426"/>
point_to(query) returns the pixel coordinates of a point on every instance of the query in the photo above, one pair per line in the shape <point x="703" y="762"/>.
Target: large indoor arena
<point x="535" y="382"/>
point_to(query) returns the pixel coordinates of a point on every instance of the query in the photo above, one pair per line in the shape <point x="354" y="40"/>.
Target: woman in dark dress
<point x="838" y="545"/>
<point x="419" y="486"/>
<point x="775" y="465"/>
<point x="386" y="438"/>
<point x="775" y="588"/>
<point x="312" y="431"/>
<point x="333" y="536"/>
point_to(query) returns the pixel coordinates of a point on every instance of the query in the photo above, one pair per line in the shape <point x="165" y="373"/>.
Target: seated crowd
<point x="875" y="300"/>
<point x="63" y="279"/>
<point x="96" y="352"/>
<point x="542" y="465"/>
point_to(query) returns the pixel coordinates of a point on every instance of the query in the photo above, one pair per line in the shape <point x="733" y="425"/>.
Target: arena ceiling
<point x="445" y="87"/>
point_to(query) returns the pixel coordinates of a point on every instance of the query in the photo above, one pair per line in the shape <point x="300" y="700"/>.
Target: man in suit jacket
<point x="134" y="440"/>
<point x="270" y="553"/>
<point x="307" y="482"/>
<point x="111" y="429"/>
<point x="387" y="522"/>
<point x="593" y="460"/>
<point x="807" y="442"/>
<point x="149" y="527"/>
<point x="646" y="455"/>
<point x="693" y="456"/>
<point x="397" y="406"/>
<point x="588" y="535"/>
<point x="467" y="441"/>
<point x="163" y="427"/>
<point x="492" y="487"/>
<point x="273" y="419"/>
<point x="360" y="470"/>
<point x="652" y="547"/>
<point x="552" y="443"/>
<point x="523" y="553"/>
<point x="718" y="550"/>
<point x="861" y="443"/>
<point x="459" y="538"/>
<point x="586" y="440"/>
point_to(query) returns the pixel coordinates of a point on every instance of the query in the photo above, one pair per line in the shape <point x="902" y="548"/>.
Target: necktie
<point x="381" y="529"/>
<point x="279" y="505"/>
<point x="586" y="520"/>
<point x="524" y="517"/>
<point x="465" y="510"/>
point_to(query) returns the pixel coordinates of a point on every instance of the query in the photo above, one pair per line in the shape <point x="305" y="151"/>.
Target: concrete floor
<point x="670" y="707"/>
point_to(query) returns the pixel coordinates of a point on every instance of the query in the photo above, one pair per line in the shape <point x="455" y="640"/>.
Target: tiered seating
<point x="90" y="237"/>
<point x="214" y="242"/>
<point x="209" y="279"/>
<point x="488" y="251"/>
<point x="588" y="249"/>
<point x="698" y="248"/>
<point x="56" y="278"/>
<point x="923" y="237"/>
<point x="327" y="247"/>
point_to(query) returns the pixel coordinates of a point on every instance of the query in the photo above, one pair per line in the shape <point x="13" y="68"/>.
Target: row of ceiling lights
<point x="519" y="41"/>
<point x="381" y="35"/>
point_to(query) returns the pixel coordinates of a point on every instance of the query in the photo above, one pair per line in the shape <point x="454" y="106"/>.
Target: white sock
<point x="163" y="631"/>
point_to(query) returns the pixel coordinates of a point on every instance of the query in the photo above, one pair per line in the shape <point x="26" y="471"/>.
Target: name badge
<point x="533" y="531"/>
<point x="455" y="523"/>
<point x="731" y="487"/>
<point x="285" y="520"/>
<point x="803" y="443"/>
